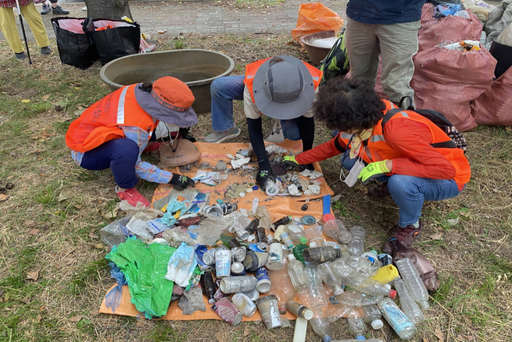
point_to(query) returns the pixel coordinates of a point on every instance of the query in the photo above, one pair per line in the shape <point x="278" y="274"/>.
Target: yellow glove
<point x="373" y="170"/>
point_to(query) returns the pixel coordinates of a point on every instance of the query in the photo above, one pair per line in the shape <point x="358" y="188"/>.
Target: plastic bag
<point x="116" y="232"/>
<point x="192" y="301"/>
<point x="448" y="80"/>
<point x="74" y="46"/>
<point x="144" y="268"/>
<point x="505" y="37"/>
<point x="181" y="265"/>
<point x="113" y="297"/>
<point x="493" y="106"/>
<point x="316" y="17"/>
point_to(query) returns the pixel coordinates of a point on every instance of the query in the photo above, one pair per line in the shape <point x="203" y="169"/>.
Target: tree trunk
<point x="108" y="9"/>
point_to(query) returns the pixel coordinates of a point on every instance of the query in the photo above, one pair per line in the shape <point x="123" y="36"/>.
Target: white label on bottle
<point x="396" y="318"/>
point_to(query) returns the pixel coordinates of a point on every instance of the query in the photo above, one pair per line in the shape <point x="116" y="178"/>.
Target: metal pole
<point x="23" y="29"/>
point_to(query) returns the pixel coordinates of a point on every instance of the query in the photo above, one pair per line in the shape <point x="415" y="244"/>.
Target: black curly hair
<point x="348" y="104"/>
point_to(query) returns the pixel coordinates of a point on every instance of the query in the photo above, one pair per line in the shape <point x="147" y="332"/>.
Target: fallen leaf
<point x="38" y="319"/>
<point x="93" y="236"/>
<point x="10" y="177"/>
<point x="75" y="319"/>
<point x="45" y="98"/>
<point x="3" y="197"/>
<point x="78" y="206"/>
<point x="34" y="232"/>
<point x="247" y="331"/>
<point x="62" y="198"/>
<point x="36" y="152"/>
<point x="436" y="236"/>
<point x="25" y="101"/>
<point x="33" y="275"/>
<point x="41" y="308"/>
<point x="99" y="246"/>
<point x="161" y="31"/>
<point x="439" y="334"/>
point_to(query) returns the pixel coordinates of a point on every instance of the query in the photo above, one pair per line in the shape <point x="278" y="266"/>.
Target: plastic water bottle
<point x="356" y="298"/>
<point x="335" y="229"/>
<point x="314" y="236"/>
<point x="356" y="245"/>
<point x="360" y="282"/>
<point x="356" y="327"/>
<point x="329" y="278"/>
<point x="296" y="232"/>
<point x="282" y="286"/>
<point x="408" y="305"/>
<point x="321" y="325"/>
<point x="372" y="316"/>
<point x="317" y="294"/>
<point x="404" y="328"/>
<point x="413" y="282"/>
<point x="296" y="272"/>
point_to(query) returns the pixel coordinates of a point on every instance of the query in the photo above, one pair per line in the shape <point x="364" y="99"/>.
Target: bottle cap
<point x="360" y="337"/>
<point x="377" y="324"/>
<point x="303" y="240"/>
<point x="307" y="314"/>
<point x="327" y="338"/>
<point x="392" y="294"/>
<point x="328" y="217"/>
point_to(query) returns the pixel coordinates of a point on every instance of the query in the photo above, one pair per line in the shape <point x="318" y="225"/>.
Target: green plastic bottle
<point x="297" y="250"/>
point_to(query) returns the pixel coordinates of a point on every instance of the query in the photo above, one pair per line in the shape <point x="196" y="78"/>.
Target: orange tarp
<point x="277" y="206"/>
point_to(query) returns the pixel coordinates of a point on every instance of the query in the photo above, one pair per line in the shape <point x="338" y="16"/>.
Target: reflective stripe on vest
<point x="120" y="107"/>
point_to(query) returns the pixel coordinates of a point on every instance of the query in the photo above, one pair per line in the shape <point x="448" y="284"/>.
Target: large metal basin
<point x="197" y="68"/>
<point x="316" y="53"/>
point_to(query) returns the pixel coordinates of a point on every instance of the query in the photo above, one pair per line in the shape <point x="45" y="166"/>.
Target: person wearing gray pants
<point x="54" y="8"/>
<point x="387" y="29"/>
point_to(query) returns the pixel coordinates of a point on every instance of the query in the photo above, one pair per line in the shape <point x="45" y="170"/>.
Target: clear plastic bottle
<point x="361" y="282"/>
<point x="407" y="303"/>
<point x="317" y="294"/>
<point x="413" y="282"/>
<point x="356" y="327"/>
<point x="335" y="229"/>
<point x="356" y="245"/>
<point x="296" y="232"/>
<point x="372" y="316"/>
<point x="314" y="236"/>
<point x="282" y="286"/>
<point x="336" y="311"/>
<point x="296" y="272"/>
<point x="404" y="328"/>
<point x="356" y="298"/>
<point x="329" y="278"/>
<point x="321" y="325"/>
<point x="287" y="240"/>
<point x="368" y="263"/>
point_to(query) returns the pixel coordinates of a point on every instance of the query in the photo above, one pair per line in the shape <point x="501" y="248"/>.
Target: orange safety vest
<point x="100" y="122"/>
<point x="252" y="69"/>
<point x="377" y="149"/>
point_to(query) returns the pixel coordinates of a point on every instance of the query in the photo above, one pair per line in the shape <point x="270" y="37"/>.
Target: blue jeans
<point x="226" y="89"/>
<point x="120" y="155"/>
<point x="409" y="192"/>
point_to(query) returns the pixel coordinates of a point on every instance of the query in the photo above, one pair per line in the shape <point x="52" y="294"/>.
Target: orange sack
<point x="316" y="17"/>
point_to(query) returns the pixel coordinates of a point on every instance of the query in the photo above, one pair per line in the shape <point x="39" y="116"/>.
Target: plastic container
<point x="329" y="278"/>
<point x="298" y="250"/>
<point x="314" y="236"/>
<point x="356" y="327"/>
<point x="227" y="311"/>
<point x="407" y="303"/>
<point x="238" y="284"/>
<point x="316" y="290"/>
<point x="116" y="232"/>
<point x="244" y="304"/>
<point x="296" y="272"/>
<point x="282" y="287"/>
<point x="413" y="282"/>
<point x="269" y="310"/>
<point x="264" y="284"/>
<point x="287" y="240"/>
<point x="299" y="310"/>
<point x="335" y="229"/>
<point x="404" y="328"/>
<point x="372" y="315"/>
<point x="296" y="232"/>
<point x="321" y="254"/>
<point x="386" y="274"/>
<point x="356" y="245"/>
<point x="321" y="326"/>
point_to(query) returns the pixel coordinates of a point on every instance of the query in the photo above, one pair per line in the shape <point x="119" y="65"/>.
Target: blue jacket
<point x="384" y="12"/>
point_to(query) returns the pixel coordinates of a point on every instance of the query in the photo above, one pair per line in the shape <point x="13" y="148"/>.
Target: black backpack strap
<point x="444" y="144"/>
<point x="337" y="143"/>
<point x="389" y="115"/>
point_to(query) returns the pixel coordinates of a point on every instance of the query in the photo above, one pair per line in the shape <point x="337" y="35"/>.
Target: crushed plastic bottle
<point x="356" y="327"/>
<point x="360" y="282"/>
<point x="407" y="303"/>
<point x="356" y="245"/>
<point x="317" y="294"/>
<point x="296" y="232"/>
<point x="329" y="278"/>
<point x="372" y="316"/>
<point x="413" y="282"/>
<point x="335" y="229"/>
<point x="321" y="325"/>
<point x="282" y="286"/>
<point x="404" y="328"/>
<point x="296" y="272"/>
<point x="356" y="298"/>
<point x="314" y="236"/>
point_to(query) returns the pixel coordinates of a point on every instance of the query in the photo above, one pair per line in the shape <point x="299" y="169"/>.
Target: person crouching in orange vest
<point x="113" y="133"/>
<point x="413" y="157"/>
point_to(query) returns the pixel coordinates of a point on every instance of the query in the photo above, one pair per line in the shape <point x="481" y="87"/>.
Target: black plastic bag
<point x="75" y="48"/>
<point x="113" y="38"/>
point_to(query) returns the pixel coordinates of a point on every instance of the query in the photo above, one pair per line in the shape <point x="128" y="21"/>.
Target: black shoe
<point x="46" y="9"/>
<point x="59" y="10"/>
<point x="46" y="50"/>
<point x="20" y="55"/>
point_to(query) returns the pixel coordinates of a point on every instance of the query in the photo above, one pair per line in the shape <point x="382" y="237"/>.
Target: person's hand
<point x="262" y="178"/>
<point x="373" y="170"/>
<point x="181" y="182"/>
<point x="289" y="162"/>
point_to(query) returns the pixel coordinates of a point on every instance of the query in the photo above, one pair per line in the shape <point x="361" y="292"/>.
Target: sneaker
<point x="218" y="137"/>
<point x="46" y="50"/>
<point x="46" y="9"/>
<point x="276" y="135"/>
<point x="20" y="55"/>
<point x="379" y="191"/>
<point x="406" y="236"/>
<point x="132" y="196"/>
<point x="59" y="10"/>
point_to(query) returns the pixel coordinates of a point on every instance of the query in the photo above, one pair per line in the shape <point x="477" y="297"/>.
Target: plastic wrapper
<point x="208" y="232"/>
<point x="181" y="265"/>
<point x="113" y="297"/>
<point x="144" y="268"/>
<point x="192" y="301"/>
<point x="116" y="232"/>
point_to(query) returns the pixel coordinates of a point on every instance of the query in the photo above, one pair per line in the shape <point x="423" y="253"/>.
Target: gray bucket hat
<point x="283" y="90"/>
<point x="169" y="101"/>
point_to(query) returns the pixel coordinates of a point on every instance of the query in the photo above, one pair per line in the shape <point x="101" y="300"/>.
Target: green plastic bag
<point x="144" y="268"/>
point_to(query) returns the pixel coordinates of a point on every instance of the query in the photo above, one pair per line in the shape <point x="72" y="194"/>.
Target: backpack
<point x="457" y="139"/>
<point x="336" y="62"/>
